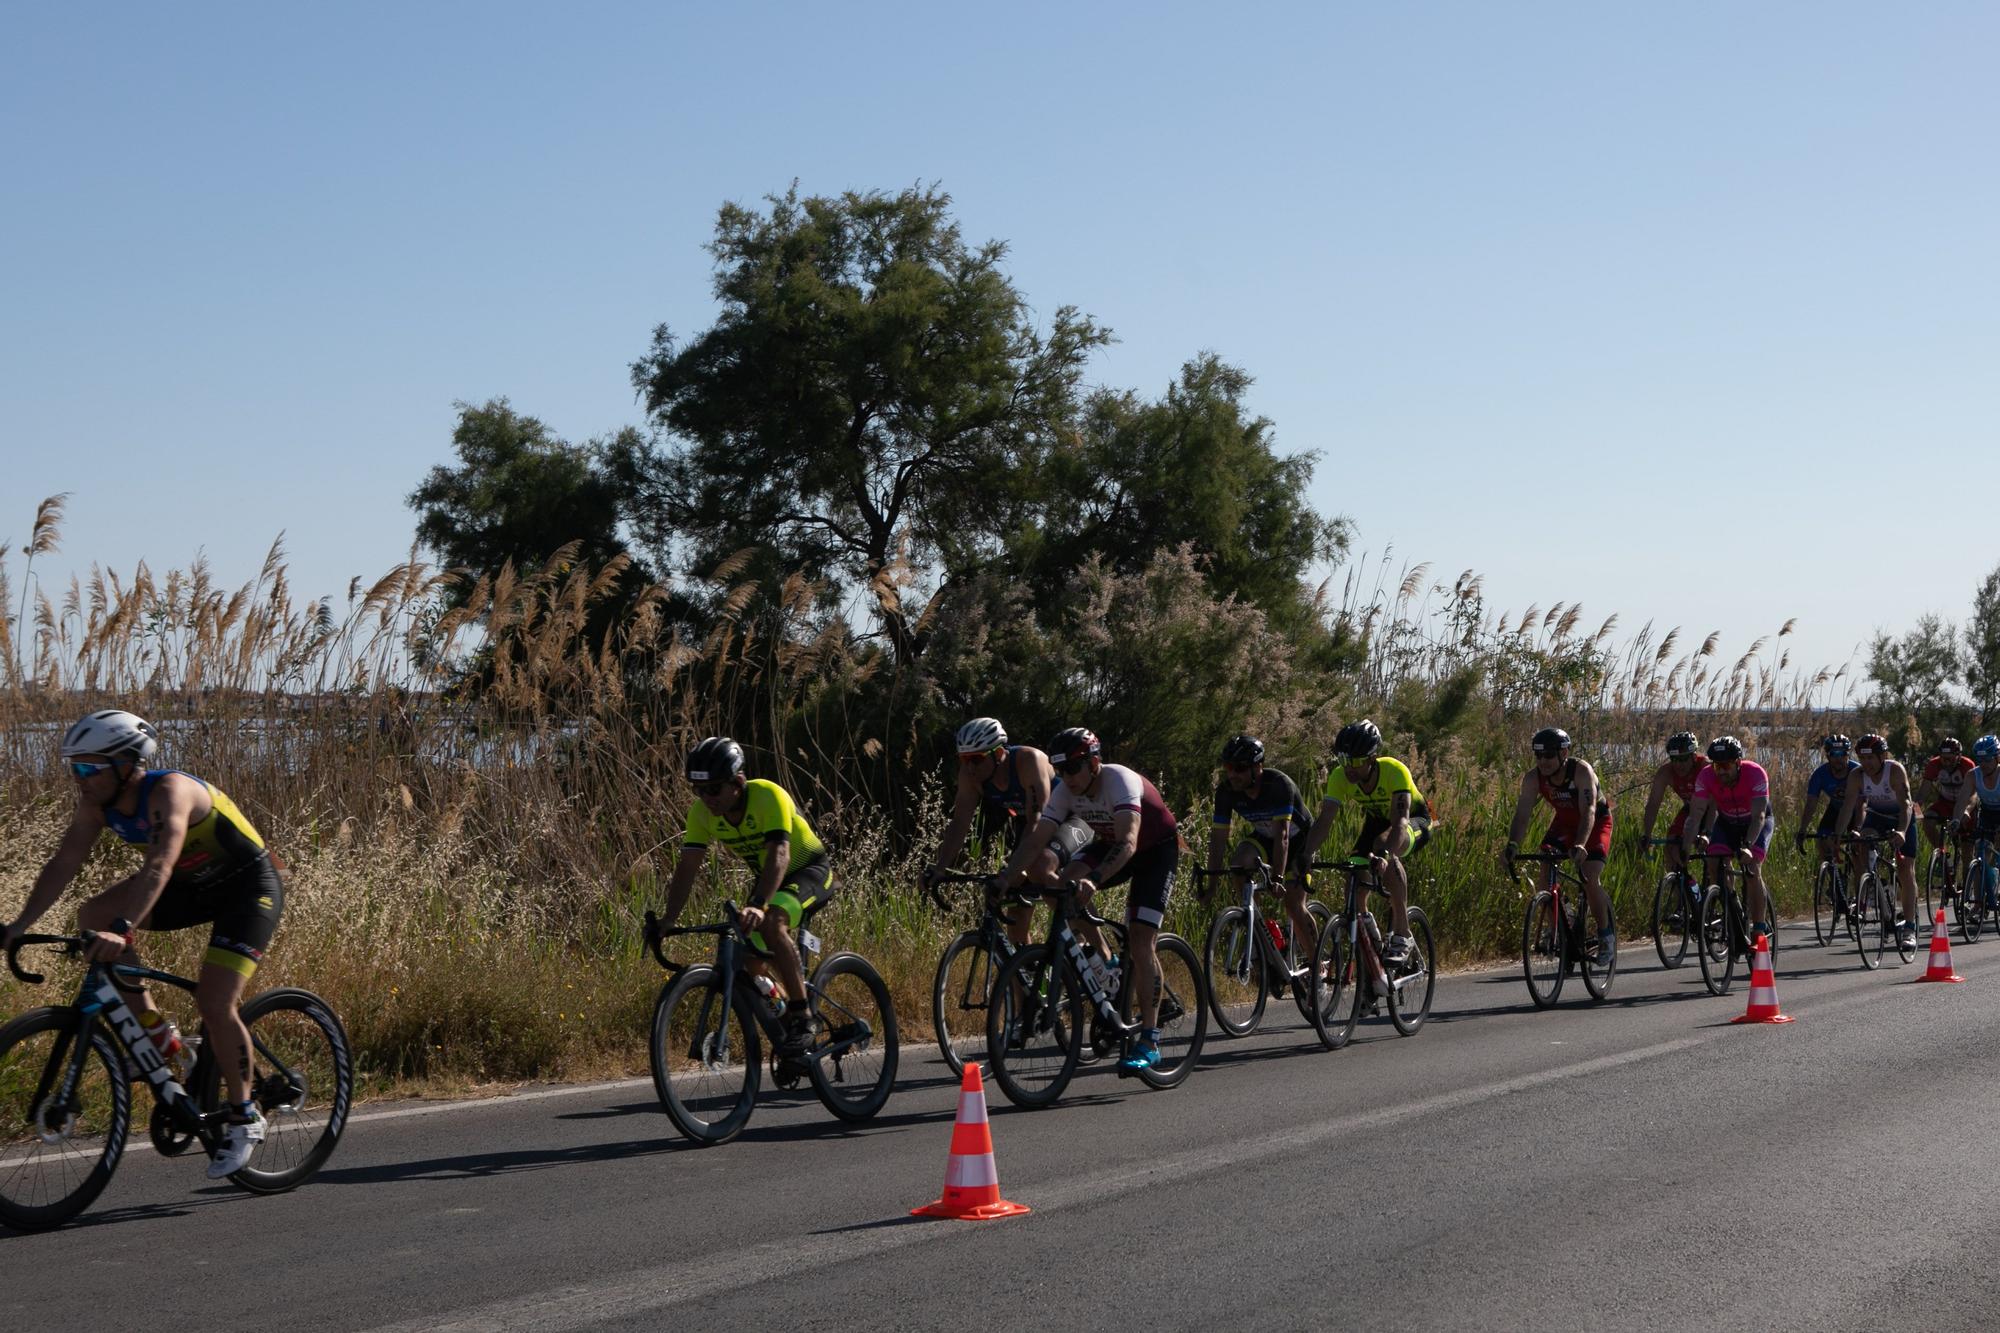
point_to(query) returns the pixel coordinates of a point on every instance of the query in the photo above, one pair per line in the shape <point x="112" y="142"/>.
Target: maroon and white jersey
<point x="1117" y="788"/>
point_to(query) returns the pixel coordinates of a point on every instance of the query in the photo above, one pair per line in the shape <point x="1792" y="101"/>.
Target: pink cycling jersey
<point x="1733" y="800"/>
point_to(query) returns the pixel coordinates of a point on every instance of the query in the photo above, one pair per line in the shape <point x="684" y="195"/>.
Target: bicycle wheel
<point x="1183" y="1013"/>
<point x="1598" y="971"/>
<point x="1936" y="872"/>
<point x="1870" y="932"/>
<point x="1891" y="909"/>
<point x="1542" y="954"/>
<point x="1826" y="918"/>
<point x="1035" y="1026"/>
<point x="1300" y="955"/>
<point x="1973" y="890"/>
<point x="56" y="1158"/>
<point x="706" y="1060"/>
<point x="1714" y="939"/>
<point x="1333" y="973"/>
<point x="1670" y="919"/>
<point x="302" y="1077"/>
<point x="1239" y="984"/>
<point x="853" y="1060"/>
<point x="1412" y="983"/>
<point x="959" y="995"/>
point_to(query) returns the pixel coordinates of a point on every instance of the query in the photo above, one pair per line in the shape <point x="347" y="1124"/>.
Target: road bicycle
<point x="1967" y="911"/>
<point x="1252" y="954"/>
<point x="1349" y="958"/>
<point x="66" y="1100"/>
<point x="1982" y="876"/>
<point x="706" y="1057"/>
<point x="1722" y="934"/>
<point x="1874" y="912"/>
<point x="1833" y="904"/>
<point x="1557" y="939"/>
<point x="966" y="971"/>
<point x="1676" y="905"/>
<point x="1053" y="999"/>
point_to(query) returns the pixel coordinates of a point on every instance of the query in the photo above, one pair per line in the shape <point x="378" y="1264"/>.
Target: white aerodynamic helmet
<point x="113" y="733"/>
<point x="980" y="735"/>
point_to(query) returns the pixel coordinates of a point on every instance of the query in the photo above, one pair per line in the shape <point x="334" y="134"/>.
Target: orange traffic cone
<point x="1763" y="989"/>
<point x="1940" y="968"/>
<point x="971" y="1180"/>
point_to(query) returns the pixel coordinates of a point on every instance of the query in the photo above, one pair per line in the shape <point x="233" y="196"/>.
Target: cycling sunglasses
<point x="974" y="756"/>
<point x="710" y="788"/>
<point x="1071" y="766"/>
<point x="80" y="770"/>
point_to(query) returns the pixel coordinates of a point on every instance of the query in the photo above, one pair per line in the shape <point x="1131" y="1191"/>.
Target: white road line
<point x="585" y="1305"/>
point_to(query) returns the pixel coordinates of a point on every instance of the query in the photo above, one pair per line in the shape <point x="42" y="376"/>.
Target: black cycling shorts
<point x="244" y="907"/>
<point x="1151" y="874"/>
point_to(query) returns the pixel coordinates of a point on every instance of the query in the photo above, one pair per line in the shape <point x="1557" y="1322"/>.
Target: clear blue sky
<point x="1646" y="306"/>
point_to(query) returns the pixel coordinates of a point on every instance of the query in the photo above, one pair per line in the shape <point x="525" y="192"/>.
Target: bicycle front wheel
<point x="1871" y="927"/>
<point x="959" y="995"/>
<point x="1331" y="975"/>
<point x="1238" y="981"/>
<point x="1825" y="905"/>
<point x="1670" y="919"/>
<point x="1542" y="950"/>
<point x="57" y="1150"/>
<point x="853" y="1061"/>
<point x="1035" y="1026"/>
<point x="302" y="1077"/>
<point x="1713" y="939"/>
<point x="1413" y="981"/>
<point x="1936" y="873"/>
<point x="706" y="1062"/>
<point x="1300" y="955"/>
<point x="1183" y="1016"/>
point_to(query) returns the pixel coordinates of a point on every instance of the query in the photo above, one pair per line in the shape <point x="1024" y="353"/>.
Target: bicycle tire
<point x="26" y="1076"/>
<point x="1333" y="972"/>
<point x="1826" y="919"/>
<point x="957" y="1019"/>
<point x="1302" y="989"/>
<point x="1716" y="947"/>
<point x="708" y="1091"/>
<point x="1544" y="951"/>
<point x="1598" y="972"/>
<point x="1183" y="1013"/>
<point x="1410" y="993"/>
<point x="1933" y="881"/>
<point x="1038" y="990"/>
<point x="1233" y="963"/>
<point x="1975" y="885"/>
<point x="302" y="1078"/>
<point x="1670" y="923"/>
<point x="1907" y="953"/>
<point x="1869" y="930"/>
<point x="855" y="1077"/>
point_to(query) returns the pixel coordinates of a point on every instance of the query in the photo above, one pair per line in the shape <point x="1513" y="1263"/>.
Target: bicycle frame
<point x="1258" y="879"/>
<point x="1362" y="881"/>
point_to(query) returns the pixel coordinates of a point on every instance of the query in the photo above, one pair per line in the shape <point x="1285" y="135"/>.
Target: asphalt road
<point x="1641" y="1164"/>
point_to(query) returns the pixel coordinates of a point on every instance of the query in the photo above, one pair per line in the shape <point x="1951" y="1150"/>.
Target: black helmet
<point x="716" y="759"/>
<point x="1950" y="745"/>
<point x="1073" y="744"/>
<point x="1725" y="747"/>
<point x="1243" y="750"/>
<point x="1357" y="740"/>
<point x="1836" y="746"/>
<point x="1683" y="745"/>
<point x="1549" y="740"/>
<point x="1872" y="743"/>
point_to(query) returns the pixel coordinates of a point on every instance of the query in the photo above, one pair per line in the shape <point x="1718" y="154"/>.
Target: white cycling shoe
<point x="238" y="1142"/>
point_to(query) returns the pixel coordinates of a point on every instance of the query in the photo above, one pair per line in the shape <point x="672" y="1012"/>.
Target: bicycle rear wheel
<point x="854" y="1051"/>
<point x="1413" y="982"/>
<point x="706" y="1060"/>
<point x="1300" y="955"/>
<point x="1936" y="872"/>
<point x="1598" y="970"/>
<point x="1238" y="982"/>
<point x="1333" y="975"/>
<point x="1183" y="1013"/>
<point x="1542" y="954"/>
<point x="1670" y="919"/>
<point x="1035" y="1026"/>
<point x="56" y="1157"/>
<point x="1871" y="930"/>
<point x="1825" y="907"/>
<point x="1715" y="941"/>
<point x="302" y="1077"/>
<point x="959" y="995"/>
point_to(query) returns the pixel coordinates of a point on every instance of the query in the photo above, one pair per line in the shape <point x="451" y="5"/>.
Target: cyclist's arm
<point x="1806" y="814"/>
<point x="1586" y="798"/>
<point x="1654" y="796"/>
<point x="1030" y="848"/>
<point x="1218" y="843"/>
<point x="84" y="826"/>
<point x="965" y="804"/>
<point x="1849" y="811"/>
<point x="1524" y="809"/>
<point x="1124" y="845"/>
<point x="685" y="870"/>
<point x="1697" y="817"/>
<point x="1966" y="796"/>
<point x="1399" y="818"/>
<point x="1316" y="835"/>
<point x="1899" y="782"/>
<point x="173" y="800"/>
<point x="1038" y="782"/>
<point x="777" y="860"/>
<point x="1927" y="789"/>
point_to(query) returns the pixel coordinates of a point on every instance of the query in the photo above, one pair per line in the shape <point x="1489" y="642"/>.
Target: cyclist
<point x="1982" y="790"/>
<point x="1011" y="783"/>
<point x="1829" y="782"/>
<point x="1731" y="816"/>
<point x="204" y="865"/>
<point x="1570" y="787"/>
<point x="1942" y="785"/>
<point x="1395" y="822"/>
<point x="1685" y="761"/>
<point x="1880" y="803"/>
<point x="1269" y="802"/>
<point x="1137" y="839"/>
<point x="758" y="820"/>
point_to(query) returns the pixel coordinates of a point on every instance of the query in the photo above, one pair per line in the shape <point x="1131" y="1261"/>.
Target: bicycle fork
<point x="105" y="999"/>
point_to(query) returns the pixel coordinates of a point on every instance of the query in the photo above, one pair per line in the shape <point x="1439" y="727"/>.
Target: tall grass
<point x="476" y="810"/>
